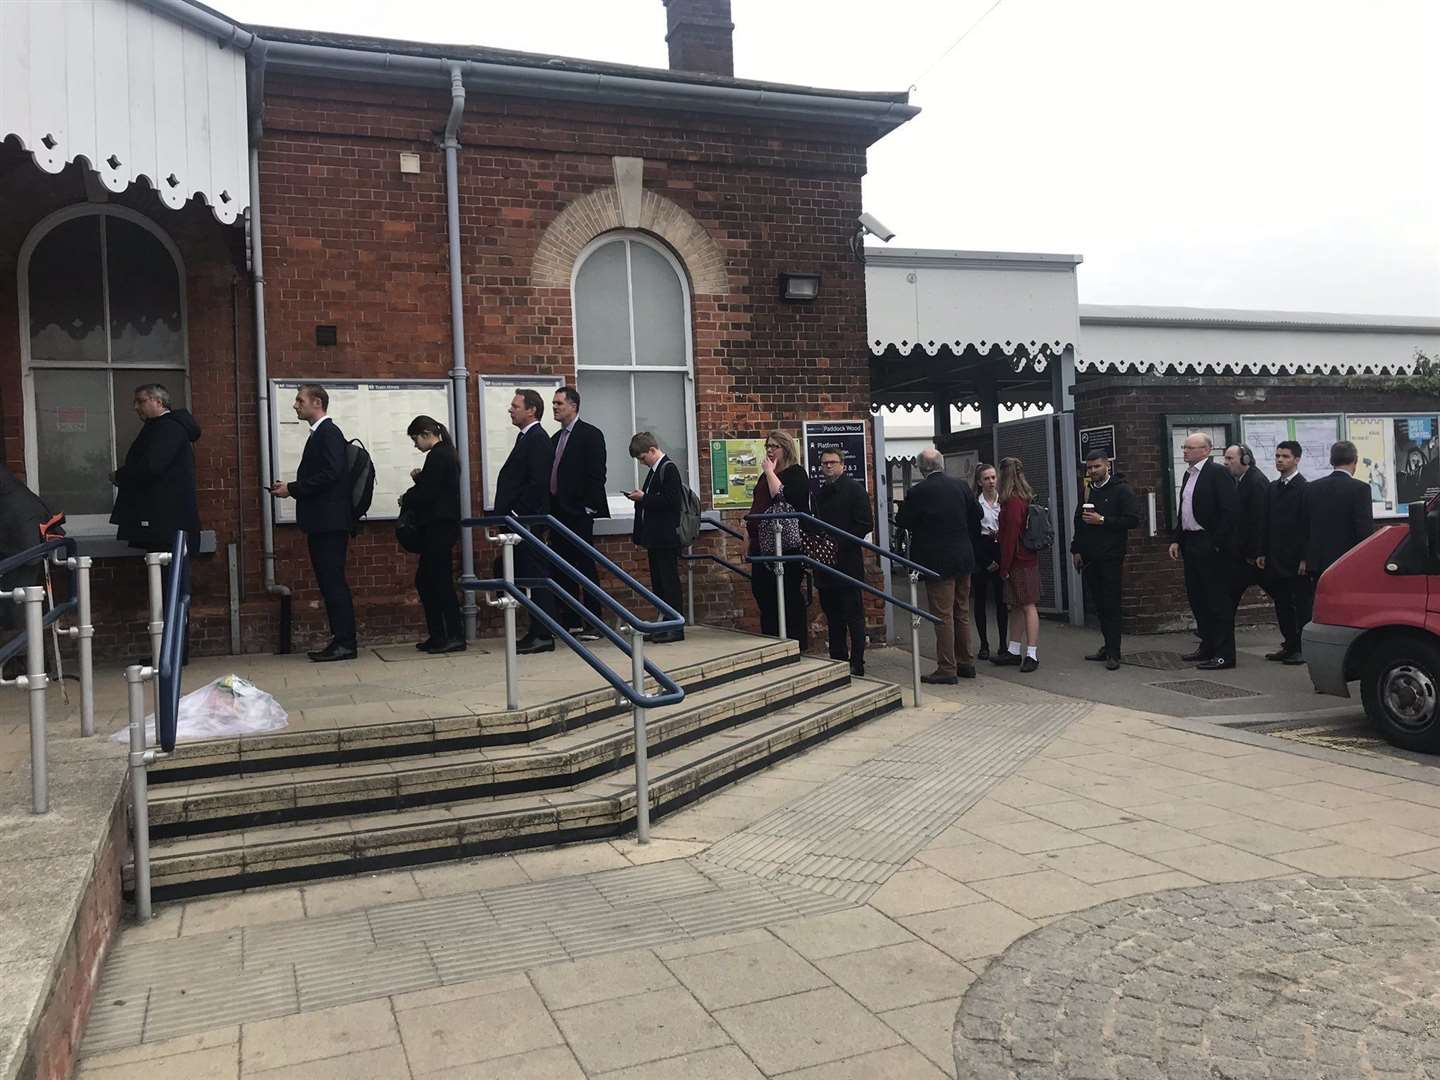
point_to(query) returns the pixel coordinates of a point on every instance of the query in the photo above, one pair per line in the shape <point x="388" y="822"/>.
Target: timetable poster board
<point x="1315" y="434"/>
<point x="847" y="436"/>
<point x="734" y="471"/>
<point x="376" y="413"/>
<point x="497" y="433"/>
<point x="1398" y="458"/>
<point x="1179" y="429"/>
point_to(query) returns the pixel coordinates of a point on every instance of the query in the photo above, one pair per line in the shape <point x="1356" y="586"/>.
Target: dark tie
<point x="555" y="465"/>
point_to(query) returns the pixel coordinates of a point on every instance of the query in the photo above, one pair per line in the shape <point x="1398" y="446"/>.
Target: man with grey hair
<point x="1205" y="538"/>
<point x="155" y="486"/>
<point x="943" y="520"/>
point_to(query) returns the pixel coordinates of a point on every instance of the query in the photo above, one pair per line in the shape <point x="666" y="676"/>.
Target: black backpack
<point x="1039" y="531"/>
<point x="361" y="471"/>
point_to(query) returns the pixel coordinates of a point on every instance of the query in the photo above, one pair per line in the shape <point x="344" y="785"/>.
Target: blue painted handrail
<point x="723" y="527"/>
<point x="812" y="520"/>
<point x="805" y="560"/>
<point x="707" y="557"/>
<point x="172" y="645"/>
<point x="39" y="553"/>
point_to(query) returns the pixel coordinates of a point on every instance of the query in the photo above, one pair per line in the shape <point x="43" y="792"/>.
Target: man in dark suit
<point x="1250" y="491"/>
<point x="321" y="490"/>
<point x="657" y="518"/>
<point x="1340" y="512"/>
<point x="943" y="520"/>
<point x="843" y="502"/>
<point x="577" y="497"/>
<point x="1282" y="551"/>
<point x="1102" y="524"/>
<point x="1205" y="538"/>
<point x="522" y="488"/>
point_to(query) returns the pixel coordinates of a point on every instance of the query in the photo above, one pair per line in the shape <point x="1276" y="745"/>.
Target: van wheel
<point x="1400" y="686"/>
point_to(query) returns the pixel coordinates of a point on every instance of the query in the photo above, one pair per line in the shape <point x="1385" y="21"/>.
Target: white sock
<point x="1014" y="648"/>
<point x="1030" y="652"/>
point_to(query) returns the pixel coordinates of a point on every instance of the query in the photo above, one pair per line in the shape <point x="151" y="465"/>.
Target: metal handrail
<point x="172" y="646"/>
<point x="705" y="556"/>
<point x="851" y="538"/>
<point x="723" y="527"/>
<point x="39" y="552"/>
<point x="17" y="644"/>
<point x="856" y="582"/>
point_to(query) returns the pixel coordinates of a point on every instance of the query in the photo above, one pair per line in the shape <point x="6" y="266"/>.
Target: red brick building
<point x="677" y="197"/>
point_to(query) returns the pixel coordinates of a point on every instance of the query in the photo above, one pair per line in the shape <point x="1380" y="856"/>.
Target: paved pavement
<point x="925" y="844"/>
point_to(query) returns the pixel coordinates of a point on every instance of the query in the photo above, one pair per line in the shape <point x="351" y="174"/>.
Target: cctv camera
<point x="872" y="225"/>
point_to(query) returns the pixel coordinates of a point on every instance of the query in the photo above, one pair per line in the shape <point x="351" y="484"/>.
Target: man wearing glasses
<point x="843" y="502"/>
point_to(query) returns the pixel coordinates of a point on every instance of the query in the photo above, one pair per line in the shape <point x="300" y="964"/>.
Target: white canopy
<point x="131" y="91"/>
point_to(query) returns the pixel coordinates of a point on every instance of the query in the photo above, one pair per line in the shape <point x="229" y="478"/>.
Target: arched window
<point x="631" y="305"/>
<point x="102" y="310"/>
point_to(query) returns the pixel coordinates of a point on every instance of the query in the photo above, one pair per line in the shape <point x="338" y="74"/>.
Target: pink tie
<point x="555" y="465"/>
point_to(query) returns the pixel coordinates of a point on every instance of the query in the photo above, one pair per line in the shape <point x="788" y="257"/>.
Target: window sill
<point x="105" y="546"/>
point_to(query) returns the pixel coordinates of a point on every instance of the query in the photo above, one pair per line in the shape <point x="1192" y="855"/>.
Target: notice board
<point x="847" y="436"/>
<point x="376" y="413"/>
<point x="1315" y="434"/>
<point x="497" y="433"/>
<point x="734" y="471"/>
<point x="1399" y="459"/>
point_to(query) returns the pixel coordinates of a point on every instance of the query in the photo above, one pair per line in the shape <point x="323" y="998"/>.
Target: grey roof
<point x="1244" y="318"/>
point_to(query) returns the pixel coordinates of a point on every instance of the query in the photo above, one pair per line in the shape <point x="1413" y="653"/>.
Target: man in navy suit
<point x="522" y="488"/>
<point x="1205" y="538"/>
<point x="1282" y="553"/>
<point x="1340" y="512"/>
<point x="321" y="490"/>
<point x="577" y="497"/>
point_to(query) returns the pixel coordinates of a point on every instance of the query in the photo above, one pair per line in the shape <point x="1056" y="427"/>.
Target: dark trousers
<point x="1207" y="584"/>
<point x="1102" y="586"/>
<point x="762" y="587"/>
<point x="582" y="560"/>
<point x="665" y="575"/>
<point x="983" y="586"/>
<point x="530" y="565"/>
<point x="435" y="583"/>
<point x="1294" y="603"/>
<point x="844" y="617"/>
<point x="327" y="560"/>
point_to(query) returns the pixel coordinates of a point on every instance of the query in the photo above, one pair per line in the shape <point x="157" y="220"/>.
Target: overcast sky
<point x="1233" y="153"/>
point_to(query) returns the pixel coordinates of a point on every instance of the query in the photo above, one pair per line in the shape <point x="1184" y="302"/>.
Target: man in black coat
<point x="1102" y="524"/>
<point x="321" y="490"/>
<point x="943" y="520"/>
<point x="1250" y="492"/>
<point x="522" y="488"/>
<point x="577" y="497"/>
<point x="843" y="502"/>
<point x="1340" y="512"/>
<point x="155" y="487"/>
<point x="657" y="519"/>
<point x="1205" y="538"/>
<point x="1282" y="551"/>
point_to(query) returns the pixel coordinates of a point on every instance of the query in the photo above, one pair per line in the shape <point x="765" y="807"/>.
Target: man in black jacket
<point x="1204" y="537"/>
<point x="657" y="518"/>
<point x="321" y="490"/>
<point x="155" y="487"/>
<point x="1098" y="549"/>
<point x="843" y="502"/>
<point x="522" y="488"/>
<point x="1250" y="492"/>
<point x="1282" y="552"/>
<point x="943" y="521"/>
<point x="1340" y="512"/>
<point x="577" y="497"/>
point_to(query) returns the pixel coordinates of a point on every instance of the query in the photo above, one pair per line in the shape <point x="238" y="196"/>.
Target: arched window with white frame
<point x="102" y="311"/>
<point x="633" y="356"/>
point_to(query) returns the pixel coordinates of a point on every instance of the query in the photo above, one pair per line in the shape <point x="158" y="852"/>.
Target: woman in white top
<point x="985" y="582"/>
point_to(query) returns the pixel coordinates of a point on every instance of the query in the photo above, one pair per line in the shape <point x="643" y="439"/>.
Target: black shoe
<point x="858" y="670"/>
<point x="942" y="680"/>
<point x="334" y="652"/>
<point x="457" y="645"/>
<point x="984" y="653"/>
<point x="1028" y="665"/>
<point x="535" y="645"/>
<point x="1282" y="653"/>
<point x="1198" y="654"/>
<point x="1005" y="659"/>
<point x="1112" y="663"/>
<point x="965" y="671"/>
<point x="1215" y="663"/>
<point x="1099" y="657"/>
<point x="426" y="645"/>
<point x="1295" y="659"/>
<point x="667" y="637"/>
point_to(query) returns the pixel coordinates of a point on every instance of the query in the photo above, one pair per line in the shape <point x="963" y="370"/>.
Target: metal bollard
<point x="642" y="765"/>
<point x="35" y="680"/>
<point x="915" y="634"/>
<point x="154" y="560"/>
<point x="779" y="579"/>
<point x="84" y="634"/>
<point x="140" y="758"/>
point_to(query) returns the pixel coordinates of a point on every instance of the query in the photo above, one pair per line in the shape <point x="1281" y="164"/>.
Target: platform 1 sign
<point x="1097" y="438"/>
<point x="847" y="436"/>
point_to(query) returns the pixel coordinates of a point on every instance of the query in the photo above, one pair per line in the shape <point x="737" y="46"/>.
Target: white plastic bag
<point x="230" y="705"/>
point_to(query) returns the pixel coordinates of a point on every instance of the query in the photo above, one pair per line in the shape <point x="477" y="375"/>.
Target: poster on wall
<point x="1097" y="438"/>
<point x="1374" y="440"/>
<point x="1180" y="428"/>
<point x="847" y="436"/>
<point x="962" y="465"/>
<point x="1315" y="434"/>
<point x="1417" y="463"/>
<point x="734" y="471"/>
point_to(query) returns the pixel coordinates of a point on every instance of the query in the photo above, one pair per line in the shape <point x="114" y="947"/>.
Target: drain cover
<point x="1156" y="660"/>
<point x="1204" y="688"/>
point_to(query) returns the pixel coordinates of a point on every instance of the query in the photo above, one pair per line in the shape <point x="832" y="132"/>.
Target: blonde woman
<point x="1019" y="568"/>
<point x="782" y="479"/>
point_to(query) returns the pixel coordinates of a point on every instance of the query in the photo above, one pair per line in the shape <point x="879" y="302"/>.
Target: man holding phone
<point x="1099" y="545"/>
<point x="657" y="518"/>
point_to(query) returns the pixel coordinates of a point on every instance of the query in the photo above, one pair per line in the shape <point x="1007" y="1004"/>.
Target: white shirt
<point x="317" y="423"/>
<point x="1187" y="500"/>
<point x="1286" y="479"/>
<point x="989" y="515"/>
<point x="526" y="429"/>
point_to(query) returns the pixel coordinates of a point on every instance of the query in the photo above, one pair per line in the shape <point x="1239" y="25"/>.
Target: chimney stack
<point x="699" y="33"/>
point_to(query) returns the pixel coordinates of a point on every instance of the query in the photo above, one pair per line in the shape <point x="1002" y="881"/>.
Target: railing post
<point x="36" y="680"/>
<point x="154" y="560"/>
<point x="642" y="765"/>
<point x="690" y="587"/>
<point x="84" y="633"/>
<point x="135" y="679"/>
<point x="779" y="579"/>
<point x="915" y="634"/>
<point x="509" y="603"/>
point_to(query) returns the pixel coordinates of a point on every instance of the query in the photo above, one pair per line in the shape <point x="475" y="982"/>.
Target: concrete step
<point x="559" y="762"/>
<point x="602" y="807"/>
<point x="391" y="736"/>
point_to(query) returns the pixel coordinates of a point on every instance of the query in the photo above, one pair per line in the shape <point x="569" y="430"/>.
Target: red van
<point x="1377" y="619"/>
